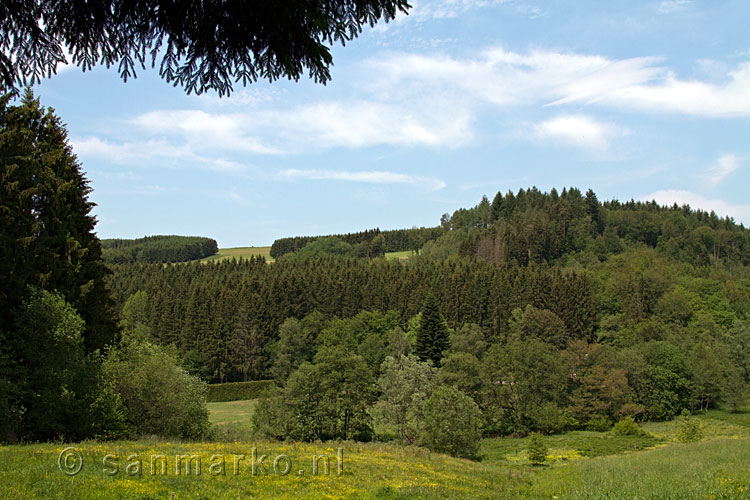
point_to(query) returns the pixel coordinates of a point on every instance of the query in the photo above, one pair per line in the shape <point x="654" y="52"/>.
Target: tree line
<point x="157" y="249"/>
<point x="369" y="243"/>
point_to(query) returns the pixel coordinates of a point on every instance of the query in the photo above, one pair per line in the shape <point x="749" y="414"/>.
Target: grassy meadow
<point x="247" y="252"/>
<point x="240" y="253"/>
<point x="581" y="465"/>
<point x="404" y="255"/>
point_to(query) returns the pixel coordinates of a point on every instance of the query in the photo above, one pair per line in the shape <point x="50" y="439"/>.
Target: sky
<point x="425" y="114"/>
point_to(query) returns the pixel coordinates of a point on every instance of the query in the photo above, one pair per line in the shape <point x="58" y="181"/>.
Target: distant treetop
<point x="201" y="46"/>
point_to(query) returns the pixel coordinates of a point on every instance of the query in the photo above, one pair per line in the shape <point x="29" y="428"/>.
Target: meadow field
<point x="580" y="465"/>
<point x="240" y="253"/>
<point x="247" y="252"/>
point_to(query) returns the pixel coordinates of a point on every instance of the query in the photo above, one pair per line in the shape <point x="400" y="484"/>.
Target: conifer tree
<point x="48" y="238"/>
<point x="433" y="336"/>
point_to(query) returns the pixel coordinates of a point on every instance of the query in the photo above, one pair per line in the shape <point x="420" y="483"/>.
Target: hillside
<point x="158" y="249"/>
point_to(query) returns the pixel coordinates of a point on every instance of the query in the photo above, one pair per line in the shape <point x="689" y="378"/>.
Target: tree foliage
<point x="48" y="238"/>
<point x="158" y="249"/>
<point x="433" y="335"/>
<point x="452" y="423"/>
<point x="199" y="46"/>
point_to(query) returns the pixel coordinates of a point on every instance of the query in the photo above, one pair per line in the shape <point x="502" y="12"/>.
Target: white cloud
<point x="321" y="125"/>
<point x="577" y="130"/>
<point x="741" y="213"/>
<point x="410" y="100"/>
<point x="670" y="6"/>
<point x="370" y="177"/>
<point x="504" y="78"/>
<point x="149" y="152"/>
<point x="723" y="167"/>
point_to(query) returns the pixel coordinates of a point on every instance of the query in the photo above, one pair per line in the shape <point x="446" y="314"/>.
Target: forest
<point x="549" y="311"/>
<point x="157" y="249"/>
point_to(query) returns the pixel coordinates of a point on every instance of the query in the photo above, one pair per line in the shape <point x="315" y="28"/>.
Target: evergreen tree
<point x="433" y="335"/>
<point x="48" y="238"/>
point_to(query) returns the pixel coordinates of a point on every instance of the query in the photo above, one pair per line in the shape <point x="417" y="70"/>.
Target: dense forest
<point x="370" y="243"/>
<point x="158" y="249"/>
<point x="557" y="312"/>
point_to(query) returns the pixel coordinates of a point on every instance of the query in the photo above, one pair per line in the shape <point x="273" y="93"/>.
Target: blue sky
<point x="424" y="115"/>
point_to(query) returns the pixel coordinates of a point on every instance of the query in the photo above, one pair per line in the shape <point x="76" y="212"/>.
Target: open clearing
<point x="399" y="255"/>
<point x="240" y="253"/>
<point x="231" y="412"/>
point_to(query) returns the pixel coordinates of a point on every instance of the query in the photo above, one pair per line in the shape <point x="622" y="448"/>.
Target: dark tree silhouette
<point x="433" y="337"/>
<point x="201" y="45"/>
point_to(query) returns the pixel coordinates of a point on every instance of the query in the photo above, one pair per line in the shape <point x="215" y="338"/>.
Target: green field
<point x="240" y="253"/>
<point x="399" y="255"/>
<point x="247" y="252"/>
<point x="581" y="465"/>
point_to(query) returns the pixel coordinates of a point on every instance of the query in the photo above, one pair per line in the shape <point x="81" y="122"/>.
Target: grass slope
<point x="231" y="412"/>
<point x="582" y="465"/>
<point x="240" y="252"/>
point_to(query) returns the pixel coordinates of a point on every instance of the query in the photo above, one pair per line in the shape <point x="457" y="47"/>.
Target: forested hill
<point x="535" y="226"/>
<point x="158" y="249"/>
<point x="554" y="227"/>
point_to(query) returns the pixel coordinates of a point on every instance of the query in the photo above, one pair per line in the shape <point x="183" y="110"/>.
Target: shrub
<point x="688" y="429"/>
<point x="599" y="424"/>
<point x="452" y="423"/>
<point x="238" y="391"/>
<point x="159" y="397"/>
<point x="628" y="427"/>
<point x="536" y="449"/>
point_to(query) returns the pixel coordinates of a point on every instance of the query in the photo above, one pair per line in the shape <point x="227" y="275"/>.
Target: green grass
<point x="231" y="412"/>
<point x="240" y="252"/>
<point x="712" y="469"/>
<point x="569" y="446"/>
<point x="582" y="465"/>
<point x="399" y="255"/>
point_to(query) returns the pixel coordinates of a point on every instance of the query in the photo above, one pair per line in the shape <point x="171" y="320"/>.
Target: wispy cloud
<point x="723" y="167"/>
<point x="670" y="6"/>
<point x="149" y="152"/>
<point x="506" y="78"/>
<point x="436" y="101"/>
<point x="578" y="130"/>
<point x="739" y="212"/>
<point x="370" y="177"/>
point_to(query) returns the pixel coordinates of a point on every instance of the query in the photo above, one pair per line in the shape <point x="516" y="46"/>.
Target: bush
<point x="599" y="424"/>
<point x="158" y="397"/>
<point x="452" y="423"/>
<point x="628" y="427"/>
<point x="688" y="429"/>
<point x="536" y="449"/>
<point x="238" y="391"/>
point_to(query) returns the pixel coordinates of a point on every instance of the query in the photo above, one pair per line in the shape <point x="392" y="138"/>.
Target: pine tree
<point x="433" y="336"/>
<point x="48" y="238"/>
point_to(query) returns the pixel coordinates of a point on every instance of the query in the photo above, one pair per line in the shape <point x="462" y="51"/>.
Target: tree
<point x="433" y="335"/>
<point x="50" y="370"/>
<point x="405" y="385"/>
<point x="201" y="45"/>
<point x="536" y="449"/>
<point x="523" y="386"/>
<point x="461" y="370"/>
<point x="158" y="397"/>
<point x="452" y="423"/>
<point x="688" y="428"/>
<point x="134" y="317"/>
<point x="48" y="238"/>
<point x="246" y="348"/>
